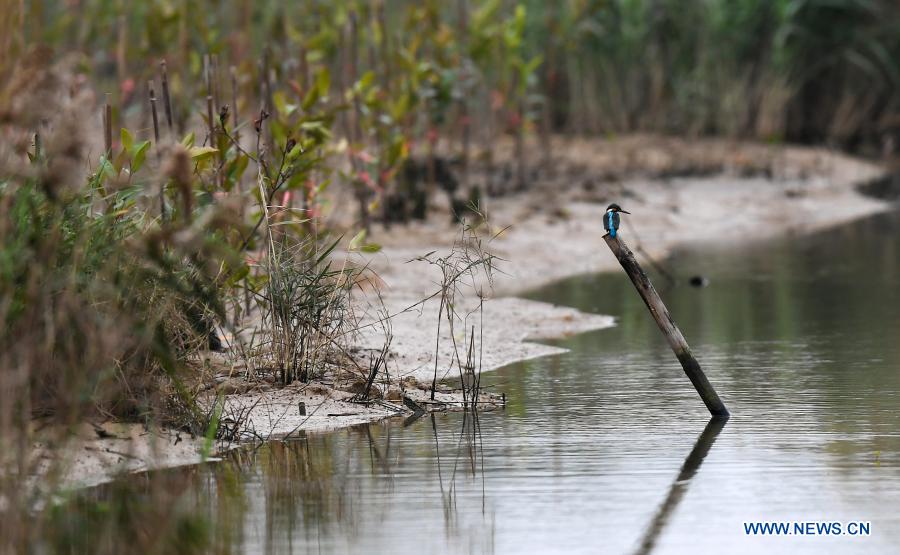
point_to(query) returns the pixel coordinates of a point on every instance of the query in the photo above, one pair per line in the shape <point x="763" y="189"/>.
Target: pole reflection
<point x="680" y="486"/>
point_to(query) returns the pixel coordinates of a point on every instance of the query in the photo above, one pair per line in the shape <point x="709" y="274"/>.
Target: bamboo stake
<point x="268" y="97"/>
<point x="520" y="137"/>
<point x="234" y="104"/>
<point x="212" y="135"/>
<point x="304" y="70"/>
<point x="212" y="108"/>
<point x="38" y="149"/>
<point x="212" y="122"/>
<point x="464" y="101"/>
<point x="107" y="127"/>
<point x="385" y="46"/>
<point x="356" y="137"/>
<point x="167" y="100"/>
<point x="370" y="44"/>
<point x="207" y="74"/>
<point x="121" y="48"/>
<point x="667" y="325"/>
<point x="155" y="117"/>
<point x="215" y="83"/>
<point x="549" y="83"/>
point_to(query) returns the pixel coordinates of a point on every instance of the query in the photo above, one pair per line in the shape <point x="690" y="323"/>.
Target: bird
<point x="699" y="281"/>
<point x="611" y="218"/>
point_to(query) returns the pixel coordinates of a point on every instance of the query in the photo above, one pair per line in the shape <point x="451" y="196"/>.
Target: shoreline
<point x="554" y="233"/>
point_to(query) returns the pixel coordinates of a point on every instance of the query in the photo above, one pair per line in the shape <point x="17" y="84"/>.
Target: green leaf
<point x="280" y="101"/>
<point x="139" y="154"/>
<point x="312" y="96"/>
<point x="323" y="186"/>
<point x="188" y="140"/>
<point x="371" y="247"/>
<point x="106" y="169"/>
<point x="357" y="240"/>
<point x="532" y="65"/>
<point x="323" y="81"/>
<point x="119" y="162"/>
<point x="212" y="427"/>
<point x="324" y="255"/>
<point x="237" y="275"/>
<point x="127" y="139"/>
<point x="237" y="167"/>
<point x="200" y="153"/>
<point x="365" y="81"/>
<point x="295" y="152"/>
<point x="397" y="151"/>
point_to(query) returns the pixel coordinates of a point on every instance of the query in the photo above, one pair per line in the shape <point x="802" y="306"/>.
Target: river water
<point x="608" y="449"/>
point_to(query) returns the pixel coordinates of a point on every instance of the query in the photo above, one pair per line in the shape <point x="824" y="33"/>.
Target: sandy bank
<point x="678" y="192"/>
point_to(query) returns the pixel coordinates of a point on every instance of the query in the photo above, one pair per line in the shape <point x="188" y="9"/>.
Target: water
<point x="607" y="449"/>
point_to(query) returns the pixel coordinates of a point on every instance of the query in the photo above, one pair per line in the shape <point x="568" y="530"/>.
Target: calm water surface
<point x="608" y="449"/>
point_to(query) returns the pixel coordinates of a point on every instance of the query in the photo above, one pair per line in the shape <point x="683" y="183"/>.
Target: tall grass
<point x="306" y="305"/>
<point x="797" y="70"/>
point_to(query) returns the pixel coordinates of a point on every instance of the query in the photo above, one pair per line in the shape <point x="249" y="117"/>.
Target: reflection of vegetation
<point x="280" y="496"/>
<point x="466" y="458"/>
<point x="151" y="513"/>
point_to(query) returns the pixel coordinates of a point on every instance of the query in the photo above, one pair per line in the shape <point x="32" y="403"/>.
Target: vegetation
<point x="797" y="70"/>
<point x="205" y="192"/>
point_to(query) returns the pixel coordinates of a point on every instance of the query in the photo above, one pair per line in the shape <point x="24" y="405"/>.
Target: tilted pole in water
<point x="673" y="335"/>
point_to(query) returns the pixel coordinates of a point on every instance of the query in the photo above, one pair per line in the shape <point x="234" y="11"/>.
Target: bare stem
<point x="107" y="126"/>
<point x="167" y="100"/>
<point x="155" y="117"/>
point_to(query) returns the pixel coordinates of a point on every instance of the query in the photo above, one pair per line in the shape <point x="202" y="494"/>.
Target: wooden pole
<point x="107" y="127"/>
<point x="234" y="104"/>
<point x="167" y="100"/>
<point x="465" y="127"/>
<point x="664" y="320"/>
<point x="155" y="116"/>
<point x="214" y="77"/>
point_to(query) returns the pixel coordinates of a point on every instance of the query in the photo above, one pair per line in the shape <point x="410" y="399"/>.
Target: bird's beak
<point x="624" y="212"/>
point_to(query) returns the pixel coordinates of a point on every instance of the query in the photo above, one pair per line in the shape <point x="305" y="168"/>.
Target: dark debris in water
<point x="883" y="188"/>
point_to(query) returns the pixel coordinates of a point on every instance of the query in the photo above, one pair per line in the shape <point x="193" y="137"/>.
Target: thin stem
<point x="167" y="100"/>
<point x="155" y="117"/>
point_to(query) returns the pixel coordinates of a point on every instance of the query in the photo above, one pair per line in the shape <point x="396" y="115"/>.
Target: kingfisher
<point x="611" y="218"/>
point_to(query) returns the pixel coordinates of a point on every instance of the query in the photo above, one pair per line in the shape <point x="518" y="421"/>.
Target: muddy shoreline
<point x="740" y="193"/>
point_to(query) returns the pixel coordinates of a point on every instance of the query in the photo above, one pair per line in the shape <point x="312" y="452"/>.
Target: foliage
<point x="807" y="70"/>
<point x="306" y="307"/>
<point x="117" y="269"/>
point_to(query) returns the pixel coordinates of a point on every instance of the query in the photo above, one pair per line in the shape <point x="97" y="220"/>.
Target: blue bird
<point x="611" y="218"/>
